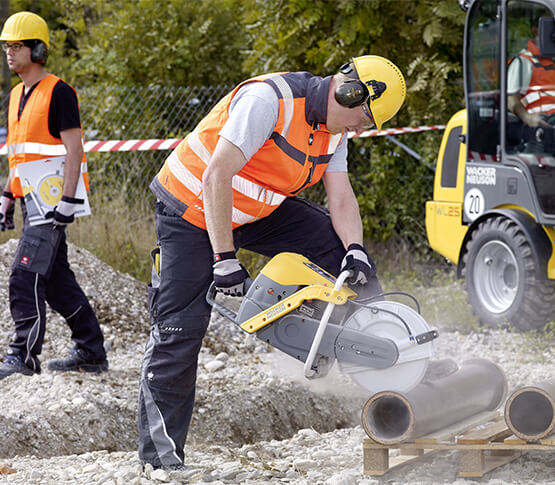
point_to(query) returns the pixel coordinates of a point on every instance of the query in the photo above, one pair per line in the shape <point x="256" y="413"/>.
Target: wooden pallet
<point x="483" y="443"/>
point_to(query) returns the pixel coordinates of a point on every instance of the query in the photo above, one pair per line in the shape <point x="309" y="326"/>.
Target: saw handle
<point x="222" y="309"/>
<point x="309" y="372"/>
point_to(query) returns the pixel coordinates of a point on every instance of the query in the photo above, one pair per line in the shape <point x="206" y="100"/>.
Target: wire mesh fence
<point x="126" y="113"/>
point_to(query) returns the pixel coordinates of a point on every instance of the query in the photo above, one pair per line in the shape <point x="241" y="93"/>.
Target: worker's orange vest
<point x="295" y="156"/>
<point x="540" y="95"/>
<point x="29" y="138"/>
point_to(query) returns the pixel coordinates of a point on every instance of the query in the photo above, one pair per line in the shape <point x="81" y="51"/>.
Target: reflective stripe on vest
<point x="294" y="157"/>
<point x="288" y="104"/>
<point x="41" y="149"/>
<point x="240" y="184"/>
<point x="540" y="94"/>
<point x="29" y="137"/>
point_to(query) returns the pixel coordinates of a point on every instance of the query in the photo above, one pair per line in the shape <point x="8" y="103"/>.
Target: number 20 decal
<point x="474" y="203"/>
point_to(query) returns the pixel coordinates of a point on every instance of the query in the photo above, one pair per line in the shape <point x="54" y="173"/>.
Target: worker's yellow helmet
<point x="25" y="26"/>
<point x="386" y="85"/>
<point x="376" y="81"/>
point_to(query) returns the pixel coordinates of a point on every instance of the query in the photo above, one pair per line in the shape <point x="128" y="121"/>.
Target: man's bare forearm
<point x="344" y="210"/>
<point x="217" y="181"/>
<point x="72" y="166"/>
<point x="218" y="200"/>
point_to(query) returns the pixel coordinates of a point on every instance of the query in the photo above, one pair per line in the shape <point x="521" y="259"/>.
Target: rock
<point x="214" y="365"/>
<point x="148" y="470"/>
<point x="6" y="470"/>
<point x="160" y="475"/>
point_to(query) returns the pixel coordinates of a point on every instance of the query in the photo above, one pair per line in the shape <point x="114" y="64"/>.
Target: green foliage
<point x="143" y="42"/>
<point x="432" y="91"/>
<point x="543" y="338"/>
<point x="423" y="37"/>
<point x="390" y="186"/>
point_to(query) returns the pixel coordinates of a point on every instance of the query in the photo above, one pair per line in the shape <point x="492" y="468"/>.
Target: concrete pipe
<point x="530" y="411"/>
<point x="478" y="385"/>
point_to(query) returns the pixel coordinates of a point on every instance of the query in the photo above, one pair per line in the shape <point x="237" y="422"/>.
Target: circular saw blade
<point x="385" y="319"/>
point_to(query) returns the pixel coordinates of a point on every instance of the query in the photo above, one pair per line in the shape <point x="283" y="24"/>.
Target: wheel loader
<point x="493" y="207"/>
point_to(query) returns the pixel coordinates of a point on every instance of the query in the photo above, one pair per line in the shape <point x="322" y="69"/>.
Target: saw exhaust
<point x="478" y="385"/>
<point x="530" y="411"/>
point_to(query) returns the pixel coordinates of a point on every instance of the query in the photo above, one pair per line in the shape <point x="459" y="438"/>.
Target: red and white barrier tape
<point x="171" y="143"/>
<point x="397" y="131"/>
<point x="130" y="145"/>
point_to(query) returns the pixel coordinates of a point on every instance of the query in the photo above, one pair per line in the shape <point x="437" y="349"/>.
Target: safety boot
<point x="14" y="365"/>
<point x="76" y="361"/>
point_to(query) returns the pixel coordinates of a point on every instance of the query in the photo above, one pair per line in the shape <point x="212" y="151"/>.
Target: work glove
<point x="360" y="265"/>
<point x="229" y="274"/>
<point x="63" y="213"/>
<point x="7" y="208"/>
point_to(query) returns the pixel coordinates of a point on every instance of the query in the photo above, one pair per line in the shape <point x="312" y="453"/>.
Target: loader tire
<point x="500" y="278"/>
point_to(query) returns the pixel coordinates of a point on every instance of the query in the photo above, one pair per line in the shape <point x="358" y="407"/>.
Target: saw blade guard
<point x="410" y="332"/>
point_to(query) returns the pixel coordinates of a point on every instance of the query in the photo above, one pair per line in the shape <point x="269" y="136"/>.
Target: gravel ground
<point x="256" y="421"/>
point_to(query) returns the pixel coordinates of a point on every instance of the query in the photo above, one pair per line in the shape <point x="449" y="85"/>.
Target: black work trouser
<point x="180" y="313"/>
<point x="41" y="273"/>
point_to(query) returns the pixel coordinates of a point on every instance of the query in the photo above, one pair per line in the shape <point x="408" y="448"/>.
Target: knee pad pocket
<point x="184" y="325"/>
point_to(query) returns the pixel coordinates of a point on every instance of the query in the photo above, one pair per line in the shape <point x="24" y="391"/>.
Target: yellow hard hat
<point x="386" y="86"/>
<point x="25" y="26"/>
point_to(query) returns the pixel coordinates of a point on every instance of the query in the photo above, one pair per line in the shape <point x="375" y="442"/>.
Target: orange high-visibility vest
<point x="540" y="95"/>
<point x="29" y="138"/>
<point x="293" y="158"/>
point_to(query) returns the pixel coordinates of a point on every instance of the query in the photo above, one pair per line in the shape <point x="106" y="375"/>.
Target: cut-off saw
<point x="302" y="310"/>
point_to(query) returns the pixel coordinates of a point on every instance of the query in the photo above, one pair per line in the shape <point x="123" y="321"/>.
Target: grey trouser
<point x="180" y="314"/>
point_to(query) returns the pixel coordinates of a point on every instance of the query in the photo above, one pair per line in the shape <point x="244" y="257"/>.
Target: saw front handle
<point x="309" y="372"/>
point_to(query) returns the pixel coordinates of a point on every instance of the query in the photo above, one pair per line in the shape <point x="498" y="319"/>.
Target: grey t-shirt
<point x="519" y="75"/>
<point x="253" y="114"/>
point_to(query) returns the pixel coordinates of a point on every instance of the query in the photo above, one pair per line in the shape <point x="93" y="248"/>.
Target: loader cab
<point x="509" y="68"/>
<point x="493" y="207"/>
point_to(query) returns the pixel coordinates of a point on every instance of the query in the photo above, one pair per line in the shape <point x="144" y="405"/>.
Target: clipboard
<point x="42" y="182"/>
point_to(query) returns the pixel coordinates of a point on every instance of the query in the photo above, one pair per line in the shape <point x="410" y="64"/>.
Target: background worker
<point x="43" y="120"/>
<point x="531" y="85"/>
<point x="232" y="184"/>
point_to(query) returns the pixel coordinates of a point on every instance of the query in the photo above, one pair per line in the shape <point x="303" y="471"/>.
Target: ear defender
<point x="39" y="53"/>
<point x="353" y="92"/>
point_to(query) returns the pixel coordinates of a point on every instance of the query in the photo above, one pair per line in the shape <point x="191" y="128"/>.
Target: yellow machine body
<point x="444" y="225"/>
<point x="287" y="269"/>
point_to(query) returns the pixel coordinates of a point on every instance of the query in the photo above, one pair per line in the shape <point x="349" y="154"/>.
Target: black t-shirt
<point x="64" y="110"/>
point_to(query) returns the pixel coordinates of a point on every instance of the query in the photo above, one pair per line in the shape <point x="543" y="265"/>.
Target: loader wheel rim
<point x="496" y="276"/>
